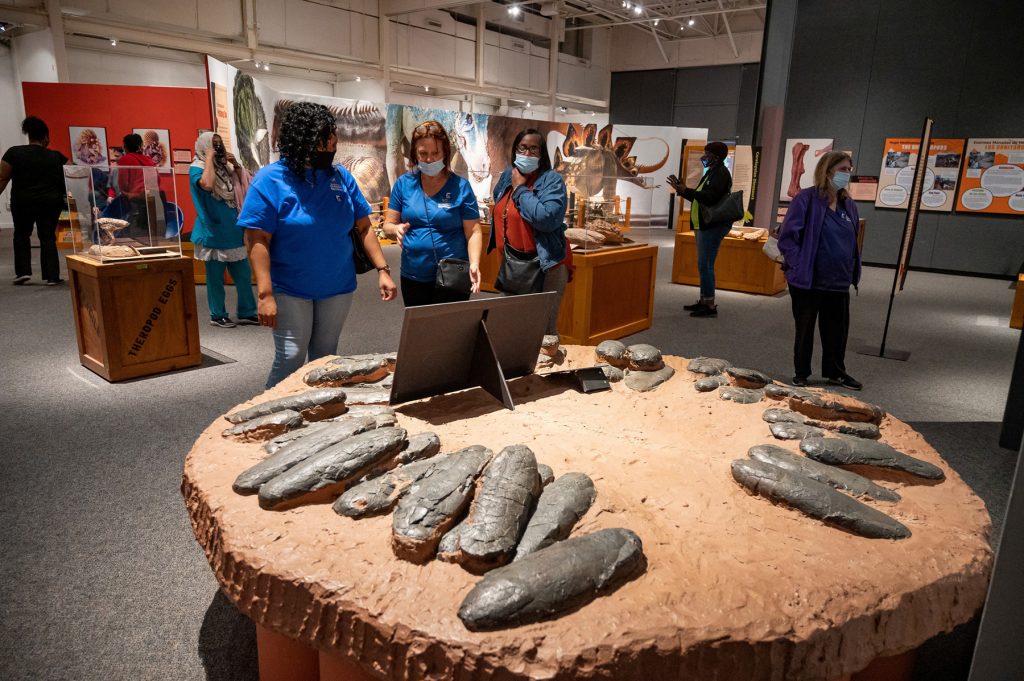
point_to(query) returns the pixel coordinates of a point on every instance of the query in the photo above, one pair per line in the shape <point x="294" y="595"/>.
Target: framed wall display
<point x="182" y="155"/>
<point x="156" y="143"/>
<point x="992" y="177"/>
<point x="799" y="158"/>
<point x="89" y="146"/>
<point x="863" y="187"/>
<point x="899" y="158"/>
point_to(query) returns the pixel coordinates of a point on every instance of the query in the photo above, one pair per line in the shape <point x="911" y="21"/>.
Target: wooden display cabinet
<point x="740" y="265"/>
<point x="611" y="295"/>
<point x="1017" y="313"/>
<point x="134" y="318"/>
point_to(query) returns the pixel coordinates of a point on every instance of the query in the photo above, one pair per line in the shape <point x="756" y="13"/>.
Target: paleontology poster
<point x="800" y="156"/>
<point x="992" y="178"/>
<point x="242" y="106"/>
<point x="156" y="144"/>
<point x="899" y="158"/>
<point x="89" y="146"/>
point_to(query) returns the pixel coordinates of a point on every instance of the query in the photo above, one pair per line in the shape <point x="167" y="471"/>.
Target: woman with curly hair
<point x="433" y="214"/>
<point x="298" y="216"/>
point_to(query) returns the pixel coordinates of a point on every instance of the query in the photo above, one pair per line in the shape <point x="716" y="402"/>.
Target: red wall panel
<point x="119" y="109"/>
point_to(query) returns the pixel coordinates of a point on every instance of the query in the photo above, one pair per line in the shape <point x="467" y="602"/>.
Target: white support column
<point x="60" y="53"/>
<point x="384" y="45"/>
<point x="250" y="27"/>
<point x="480" y="43"/>
<point x="553" y="65"/>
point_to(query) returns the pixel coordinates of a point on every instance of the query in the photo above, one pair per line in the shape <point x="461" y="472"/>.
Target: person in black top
<point x="712" y="188"/>
<point x="37" y="198"/>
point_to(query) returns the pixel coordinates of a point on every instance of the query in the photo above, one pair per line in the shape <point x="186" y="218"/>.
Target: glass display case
<point x="621" y="215"/>
<point x="124" y="213"/>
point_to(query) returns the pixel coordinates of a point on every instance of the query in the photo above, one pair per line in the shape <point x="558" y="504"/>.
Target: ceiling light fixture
<point x="562" y="109"/>
<point x="527" y="105"/>
<point x="358" y="78"/>
<point x="266" y="66"/>
<point x="113" y="42"/>
<point x="638" y="10"/>
<point x="681" y="27"/>
<point x="656" y="21"/>
<point x="513" y="10"/>
<point x="426" y="88"/>
<point x="691" y="22"/>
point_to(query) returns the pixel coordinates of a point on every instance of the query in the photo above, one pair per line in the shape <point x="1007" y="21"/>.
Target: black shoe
<point x="223" y="322"/>
<point x="249" y="321"/>
<point x="54" y="282"/>
<point x="800" y="381"/>
<point x="705" y="311"/>
<point x="696" y="306"/>
<point x="21" y="279"/>
<point x="846" y="381"/>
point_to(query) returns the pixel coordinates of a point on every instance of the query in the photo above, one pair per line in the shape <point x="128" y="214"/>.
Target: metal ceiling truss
<point x="667" y="20"/>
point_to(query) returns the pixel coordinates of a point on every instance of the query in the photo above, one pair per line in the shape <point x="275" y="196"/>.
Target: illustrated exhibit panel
<point x="900" y="158"/>
<point x="992" y="180"/>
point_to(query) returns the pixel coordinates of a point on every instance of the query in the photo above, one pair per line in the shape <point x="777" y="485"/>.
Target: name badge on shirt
<point x="336" y="188"/>
<point x="447" y="203"/>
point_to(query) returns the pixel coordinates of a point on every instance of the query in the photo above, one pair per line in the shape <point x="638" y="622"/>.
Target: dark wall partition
<point x="864" y="71"/>
<point x="721" y="98"/>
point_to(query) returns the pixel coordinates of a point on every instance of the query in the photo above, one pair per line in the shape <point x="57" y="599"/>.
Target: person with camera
<point x="219" y="243"/>
<point x="715" y="185"/>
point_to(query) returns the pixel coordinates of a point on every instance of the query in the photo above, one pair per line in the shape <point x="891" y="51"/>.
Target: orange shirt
<point x="520" y="233"/>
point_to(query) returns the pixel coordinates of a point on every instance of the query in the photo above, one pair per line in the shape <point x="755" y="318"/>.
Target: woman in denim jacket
<point x="529" y="209"/>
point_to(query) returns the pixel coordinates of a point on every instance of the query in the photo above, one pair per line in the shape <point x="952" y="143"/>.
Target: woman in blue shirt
<point x="819" y="243"/>
<point x="298" y="214"/>
<point x="216" y="234"/>
<point x="433" y="214"/>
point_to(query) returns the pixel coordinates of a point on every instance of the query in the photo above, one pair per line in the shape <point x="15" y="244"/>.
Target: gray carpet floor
<point x="101" y="577"/>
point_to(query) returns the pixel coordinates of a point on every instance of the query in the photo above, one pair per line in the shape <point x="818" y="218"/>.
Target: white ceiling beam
<point x="675" y="17"/>
<point x="389" y="8"/>
<point x="732" y="41"/>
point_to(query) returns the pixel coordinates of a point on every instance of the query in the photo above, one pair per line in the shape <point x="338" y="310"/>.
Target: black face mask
<point x="321" y="160"/>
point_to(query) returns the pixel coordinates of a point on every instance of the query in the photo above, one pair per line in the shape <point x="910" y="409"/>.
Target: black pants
<point x="44" y="217"/>
<point x="423" y="293"/>
<point x="832" y="311"/>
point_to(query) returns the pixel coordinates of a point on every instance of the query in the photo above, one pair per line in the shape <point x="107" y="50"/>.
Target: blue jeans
<point x="242" y="275"/>
<point x="306" y="330"/>
<point x="708" y="241"/>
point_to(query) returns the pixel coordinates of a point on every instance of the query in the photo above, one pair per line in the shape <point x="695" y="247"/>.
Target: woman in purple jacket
<point x="819" y="243"/>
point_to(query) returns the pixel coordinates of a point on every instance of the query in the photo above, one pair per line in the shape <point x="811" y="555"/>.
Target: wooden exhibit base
<point x="1017" y="313"/>
<point x="134" y="318"/>
<point x="740" y="266"/>
<point x="489" y="262"/>
<point x="611" y="295"/>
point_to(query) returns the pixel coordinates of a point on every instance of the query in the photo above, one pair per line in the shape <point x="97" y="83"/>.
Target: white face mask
<point x="431" y="169"/>
<point x="840" y="179"/>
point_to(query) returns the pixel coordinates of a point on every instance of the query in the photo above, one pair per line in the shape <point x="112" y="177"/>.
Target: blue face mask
<point x="840" y="180"/>
<point x="431" y="169"/>
<point x="527" y="164"/>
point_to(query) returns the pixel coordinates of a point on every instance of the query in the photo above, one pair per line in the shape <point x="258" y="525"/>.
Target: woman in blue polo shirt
<point x="298" y="215"/>
<point x="433" y="213"/>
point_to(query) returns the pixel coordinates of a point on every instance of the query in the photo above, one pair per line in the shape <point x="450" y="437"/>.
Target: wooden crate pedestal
<point x="134" y="318"/>
<point x="611" y="295"/>
<point x="740" y="266"/>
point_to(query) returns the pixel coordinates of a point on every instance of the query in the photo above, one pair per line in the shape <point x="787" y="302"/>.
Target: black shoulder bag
<point x="520" y="271"/>
<point x="728" y="209"/>
<point x="452" y="273"/>
<point x="360" y="260"/>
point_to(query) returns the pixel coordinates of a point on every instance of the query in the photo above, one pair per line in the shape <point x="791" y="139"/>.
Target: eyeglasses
<point x="532" y="150"/>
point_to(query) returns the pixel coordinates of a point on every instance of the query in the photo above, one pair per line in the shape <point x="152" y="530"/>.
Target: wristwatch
<point x="386" y="268"/>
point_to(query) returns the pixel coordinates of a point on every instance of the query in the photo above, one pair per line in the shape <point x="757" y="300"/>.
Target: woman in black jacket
<point x="713" y="186"/>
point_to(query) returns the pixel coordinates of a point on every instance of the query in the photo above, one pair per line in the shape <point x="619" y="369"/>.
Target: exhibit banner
<point x="598" y="161"/>
<point x="900" y="158"/>
<point x="863" y="187"/>
<point x="992" y="179"/>
<point x="799" y="159"/>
